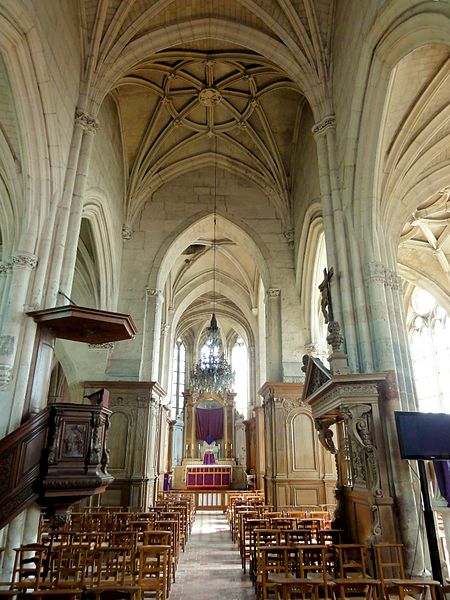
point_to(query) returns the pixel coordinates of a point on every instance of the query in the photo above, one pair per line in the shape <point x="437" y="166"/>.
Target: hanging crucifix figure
<point x="325" y="291"/>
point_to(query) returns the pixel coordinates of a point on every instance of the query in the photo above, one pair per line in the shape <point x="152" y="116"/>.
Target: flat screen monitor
<point x="423" y="436"/>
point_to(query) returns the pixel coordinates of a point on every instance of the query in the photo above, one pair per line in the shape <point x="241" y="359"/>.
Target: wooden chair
<point x="67" y="575"/>
<point x="283" y="523"/>
<point x="28" y="570"/>
<point x="364" y="588"/>
<point x="297" y="536"/>
<point x="352" y="560"/>
<point x="124" y="539"/>
<point x="113" y="574"/>
<point x="329" y="536"/>
<point x="309" y="523"/>
<point x="248" y="525"/>
<point x="172" y="527"/>
<point x="153" y="570"/>
<point x="275" y="560"/>
<point x="162" y="538"/>
<point x="314" y="564"/>
<point x="262" y="538"/>
<point x="287" y="585"/>
<point x="391" y="573"/>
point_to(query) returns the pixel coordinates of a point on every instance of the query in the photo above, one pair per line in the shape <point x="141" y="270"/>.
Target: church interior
<point x="224" y="298"/>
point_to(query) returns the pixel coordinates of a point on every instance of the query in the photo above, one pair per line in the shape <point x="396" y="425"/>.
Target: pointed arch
<point x="190" y="231"/>
<point x="96" y="209"/>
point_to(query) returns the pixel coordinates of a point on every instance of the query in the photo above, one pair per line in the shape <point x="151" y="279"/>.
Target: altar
<point x="209" y="462"/>
<point x="208" y="476"/>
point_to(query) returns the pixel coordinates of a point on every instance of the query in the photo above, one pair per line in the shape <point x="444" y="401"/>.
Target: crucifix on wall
<point x="325" y="291"/>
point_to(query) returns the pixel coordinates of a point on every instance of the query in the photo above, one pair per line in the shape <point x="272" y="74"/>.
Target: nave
<point x="210" y="566"/>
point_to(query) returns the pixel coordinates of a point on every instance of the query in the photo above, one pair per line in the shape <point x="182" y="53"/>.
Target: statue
<point x="325" y="291"/>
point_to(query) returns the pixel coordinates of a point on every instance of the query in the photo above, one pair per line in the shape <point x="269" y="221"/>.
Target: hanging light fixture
<point x="213" y="373"/>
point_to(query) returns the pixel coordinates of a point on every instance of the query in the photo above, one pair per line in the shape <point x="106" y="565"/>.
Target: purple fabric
<point x="442" y="470"/>
<point x="166" y="482"/>
<point x="209" y="424"/>
<point x="208" y="458"/>
<point x="208" y="477"/>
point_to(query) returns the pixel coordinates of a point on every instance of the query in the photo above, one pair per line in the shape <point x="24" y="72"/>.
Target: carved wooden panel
<point x="304" y="443"/>
<point x="118" y="440"/>
<point x="306" y="496"/>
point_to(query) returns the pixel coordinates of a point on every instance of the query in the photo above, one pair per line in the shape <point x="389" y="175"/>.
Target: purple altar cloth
<point x="208" y="476"/>
<point x="208" y="458"/>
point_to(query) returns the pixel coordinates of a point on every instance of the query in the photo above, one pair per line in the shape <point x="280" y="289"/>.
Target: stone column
<point x="260" y="450"/>
<point x="165" y="355"/>
<point x="154" y="299"/>
<point x="339" y="249"/>
<point x="252" y="379"/>
<point x="228" y="425"/>
<point x="274" y="334"/>
<point x="170" y="444"/>
<point x="189" y="441"/>
<point x="13" y="540"/>
<point x="89" y="127"/>
<point x="63" y="214"/>
<point x="19" y="271"/>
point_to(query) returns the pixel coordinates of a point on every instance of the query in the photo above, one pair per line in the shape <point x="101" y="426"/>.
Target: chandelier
<point x="213" y="373"/>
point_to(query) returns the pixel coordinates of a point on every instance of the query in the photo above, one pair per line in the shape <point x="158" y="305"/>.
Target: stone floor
<point x="210" y="567"/>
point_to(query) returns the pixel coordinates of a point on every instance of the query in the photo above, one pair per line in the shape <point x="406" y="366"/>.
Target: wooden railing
<point x="55" y="458"/>
<point x="20" y="456"/>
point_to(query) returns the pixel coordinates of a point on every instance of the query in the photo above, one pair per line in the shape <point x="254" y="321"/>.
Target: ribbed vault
<point x="184" y="111"/>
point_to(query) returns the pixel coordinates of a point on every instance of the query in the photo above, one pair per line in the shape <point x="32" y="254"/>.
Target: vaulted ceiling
<point x="184" y="110"/>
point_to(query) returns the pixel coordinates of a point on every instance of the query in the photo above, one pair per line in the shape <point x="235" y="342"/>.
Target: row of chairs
<point x="289" y="557"/>
<point x="335" y="568"/>
<point x="78" y="571"/>
<point x="105" y="553"/>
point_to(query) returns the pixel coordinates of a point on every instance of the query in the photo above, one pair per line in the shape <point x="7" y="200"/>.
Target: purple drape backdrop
<point x="442" y="470"/>
<point x="209" y="424"/>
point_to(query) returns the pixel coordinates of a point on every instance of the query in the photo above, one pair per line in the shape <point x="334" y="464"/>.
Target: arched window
<point x="430" y="349"/>
<point x="178" y="378"/>
<point x="239" y="363"/>
<point x="318" y="325"/>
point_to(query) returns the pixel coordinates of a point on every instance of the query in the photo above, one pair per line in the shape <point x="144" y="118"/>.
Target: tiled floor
<point x="210" y="567"/>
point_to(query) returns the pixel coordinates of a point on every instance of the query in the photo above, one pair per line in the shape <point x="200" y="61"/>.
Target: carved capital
<point x="127" y="232"/>
<point x="24" y="261"/>
<point x="6" y="345"/>
<point x="5" y="376"/>
<point x="290" y="404"/>
<point x="273" y="293"/>
<point x="5" y="267"/>
<point x="393" y="280"/>
<point x="104" y="346"/>
<point x="87" y="122"/>
<point x="154" y="293"/>
<point x="327" y="123"/>
<point x="290" y="237"/>
<point x="375" y="271"/>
